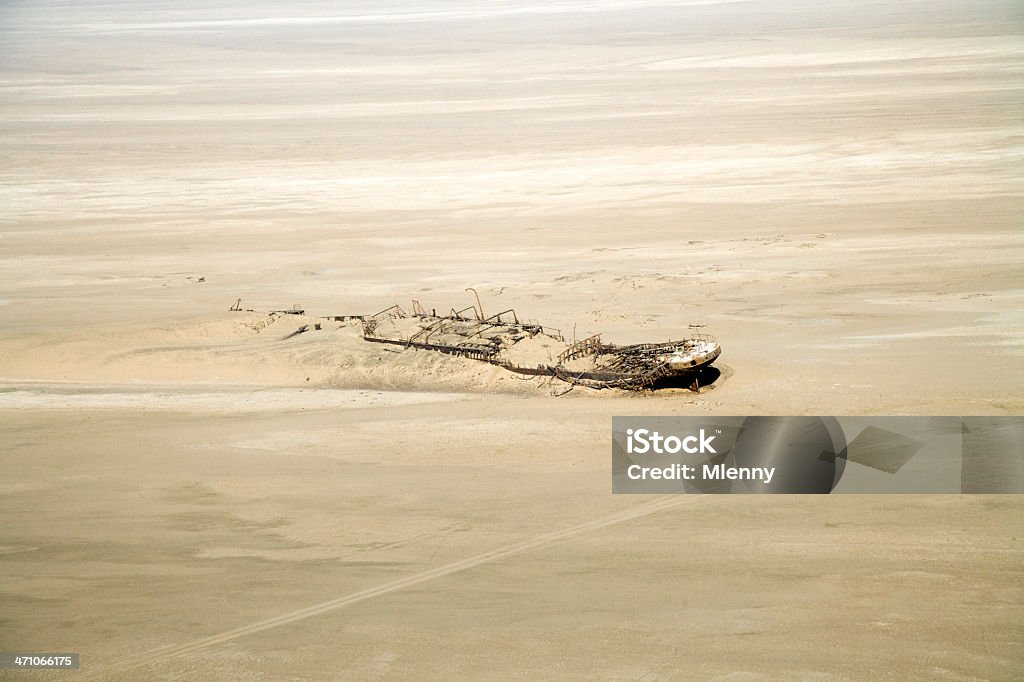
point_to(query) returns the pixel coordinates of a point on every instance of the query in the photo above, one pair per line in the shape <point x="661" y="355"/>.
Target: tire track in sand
<point x="167" y="653"/>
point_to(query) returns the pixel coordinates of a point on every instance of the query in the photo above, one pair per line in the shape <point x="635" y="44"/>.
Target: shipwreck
<point x="532" y="349"/>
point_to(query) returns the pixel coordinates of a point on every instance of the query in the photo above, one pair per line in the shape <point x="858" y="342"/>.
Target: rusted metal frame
<point x="428" y="330"/>
<point x="394" y="311"/>
<point x="584" y="347"/>
<point x="457" y="314"/>
<point x="476" y="353"/>
<point x="448" y="319"/>
<point x="497" y="317"/>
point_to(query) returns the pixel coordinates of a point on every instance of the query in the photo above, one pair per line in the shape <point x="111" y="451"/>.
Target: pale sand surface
<point x="834" y="191"/>
<point x="161" y="528"/>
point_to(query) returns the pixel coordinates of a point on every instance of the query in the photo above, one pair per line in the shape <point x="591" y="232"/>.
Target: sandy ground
<point x="834" y="192"/>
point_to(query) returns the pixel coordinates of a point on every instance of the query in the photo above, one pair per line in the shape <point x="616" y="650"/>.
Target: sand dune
<point x="832" y="189"/>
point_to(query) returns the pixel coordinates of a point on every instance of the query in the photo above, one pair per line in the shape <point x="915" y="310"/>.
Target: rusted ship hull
<point x="500" y="340"/>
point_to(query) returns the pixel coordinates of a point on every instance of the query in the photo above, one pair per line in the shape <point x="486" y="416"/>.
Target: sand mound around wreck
<point x="534" y="351"/>
<point x="258" y="349"/>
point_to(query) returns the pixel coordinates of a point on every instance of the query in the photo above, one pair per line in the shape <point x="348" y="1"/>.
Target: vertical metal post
<point x="479" y="306"/>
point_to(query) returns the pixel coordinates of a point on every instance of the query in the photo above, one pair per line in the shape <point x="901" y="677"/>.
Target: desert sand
<point x="834" y="191"/>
